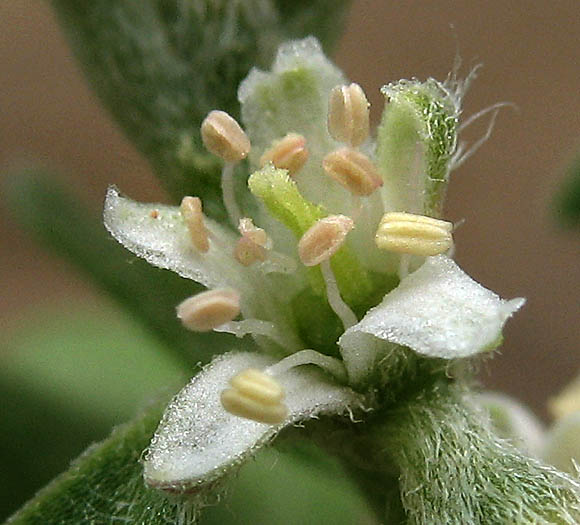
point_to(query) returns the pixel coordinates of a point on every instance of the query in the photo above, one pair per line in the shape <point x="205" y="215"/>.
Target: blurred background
<point x="510" y="241"/>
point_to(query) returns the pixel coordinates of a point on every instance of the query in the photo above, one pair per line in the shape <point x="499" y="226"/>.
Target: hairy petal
<point x="437" y="311"/>
<point x="198" y="442"/>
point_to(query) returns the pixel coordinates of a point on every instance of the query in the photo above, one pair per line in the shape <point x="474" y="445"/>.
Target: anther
<point x="414" y="234"/>
<point x="191" y="211"/>
<point x="247" y="252"/>
<point x="323" y="239"/>
<point x="207" y="310"/>
<point x="247" y="229"/>
<point x="289" y="153"/>
<point x="255" y="395"/>
<point x="353" y="170"/>
<point x="348" y="115"/>
<point x="317" y="246"/>
<point x="224" y="137"/>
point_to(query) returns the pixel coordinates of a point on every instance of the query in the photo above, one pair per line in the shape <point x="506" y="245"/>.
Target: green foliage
<point x="161" y="66"/>
<point x="62" y="223"/>
<point x="454" y="470"/>
<point x="567" y="202"/>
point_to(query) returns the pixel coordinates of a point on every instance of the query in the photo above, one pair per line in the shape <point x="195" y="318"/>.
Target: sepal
<point x="198" y="442"/>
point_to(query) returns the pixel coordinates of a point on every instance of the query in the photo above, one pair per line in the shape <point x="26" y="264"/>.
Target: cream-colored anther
<point x="207" y="310"/>
<point x="414" y="234"/>
<point x="348" y="115"/>
<point x="247" y="228"/>
<point x="224" y="137"/>
<point x="191" y="211"/>
<point x="289" y="153"/>
<point x="323" y="239"/>
<point x="247" y="252"/>
<point x="255" y="395"/>
<point x="353" y="170"/>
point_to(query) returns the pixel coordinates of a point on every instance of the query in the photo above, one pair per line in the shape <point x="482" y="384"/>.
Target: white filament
<point x="335" y="301"/>
<point x="228" y="194"/>
<point x="333" y="366"/>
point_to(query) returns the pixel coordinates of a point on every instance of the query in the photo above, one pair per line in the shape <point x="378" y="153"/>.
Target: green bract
<point x="436" y="314"/>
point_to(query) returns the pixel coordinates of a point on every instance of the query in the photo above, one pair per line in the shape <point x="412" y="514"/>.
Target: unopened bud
<point x="323" y="239"/>
<point x="255" y="395"/>
<point x="207" y="310"/>
<point x="348" y="115"/>
<point x="414" y="234"/>
<point x="191" y="211"/>
<point x="353" y="170"/>
<point x="289" y="153"/>
<point x="247" y="252"/>
<point x="224" y="137"/>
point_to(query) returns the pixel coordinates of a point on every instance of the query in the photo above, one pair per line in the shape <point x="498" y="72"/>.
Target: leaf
<point x="161" y="66"/>
<point x="67" y="374"/>
<point x="105" y="486"/>
<point x="567" y="202"/>
<point x="59" y="220"/>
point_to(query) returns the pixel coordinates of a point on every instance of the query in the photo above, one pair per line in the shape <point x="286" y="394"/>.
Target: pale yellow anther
<point x="208" y="310"/>
<point x="289" y="153"/>
<point x="414" y="234"/>
<point x="323" y="239"/>
<point x="247" y="229"/>
<point x="348" y="115"/>
<point x="255" y="395"/>
<point x="248" y="252"/>
<point x="224" y="137"/>
<point x="354" y="170"/>
<point x="192" y="213"/>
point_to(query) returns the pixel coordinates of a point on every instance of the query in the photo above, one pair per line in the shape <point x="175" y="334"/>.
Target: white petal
<point x="164" y="241"/>
<point x="563" y="444"/>
<point x="437" y="311"/>
<point x="513" y="421"/>
<point x="198" y="442"/>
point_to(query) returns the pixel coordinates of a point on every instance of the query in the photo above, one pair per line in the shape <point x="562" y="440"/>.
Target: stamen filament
<point x="335" y="301"/>
<point x="333" y="366"/>
<point x="228" y="194"/>
<point x="255" y="327"/>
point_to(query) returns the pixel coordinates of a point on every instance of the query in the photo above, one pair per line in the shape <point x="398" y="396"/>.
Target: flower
<point x="332" y="315"/>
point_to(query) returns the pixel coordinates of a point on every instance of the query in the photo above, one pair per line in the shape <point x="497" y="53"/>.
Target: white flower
<point x="323" y="304"/>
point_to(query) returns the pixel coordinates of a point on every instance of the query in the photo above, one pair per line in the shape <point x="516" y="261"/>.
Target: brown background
<point x="530" y="52"/>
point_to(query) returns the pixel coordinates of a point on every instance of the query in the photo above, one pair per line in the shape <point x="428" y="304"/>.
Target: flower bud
<point x="224" y="137"/>
<point x="348" y="115"/>
<point x="353" y="170"/>
<point x="414" y="234"/>
<point x="255" y="395"/>
<point x="324" y="239"/>
<point x="191" y="211"/>
<point x="207" y="310"/>
<point x="289" y="153"/>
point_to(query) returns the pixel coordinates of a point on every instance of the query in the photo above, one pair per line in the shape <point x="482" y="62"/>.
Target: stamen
<point x="224" y="137"/>
<point x="317" y="246"/>
<point x="414" y="234"/>
<point x="248" y="252"/>
<point x="353" y="170"/>
<point x="247" y="228"/>
<point x="341" y="309"/>
<point x="289" y="153"/>
<point x="255" y="395"/>
<point x="333" y="366"/>
<point x="207" y="310"/>
<point x="229" y="194"/>
<point x="255" y="327"/>
<point x="348" y="115"/>
<point x="323" y="239"/>
<point x="191" y="210"/>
